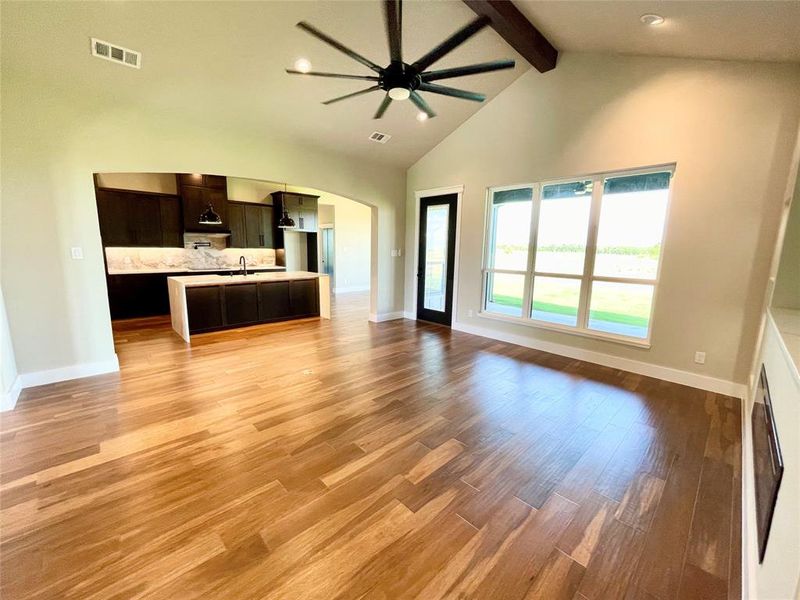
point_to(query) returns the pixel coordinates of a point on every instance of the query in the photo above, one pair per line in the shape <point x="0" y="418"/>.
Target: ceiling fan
<point x="401" y="80"/>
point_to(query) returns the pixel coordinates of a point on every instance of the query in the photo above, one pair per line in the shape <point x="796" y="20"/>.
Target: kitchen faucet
<point x="243" y="265"/>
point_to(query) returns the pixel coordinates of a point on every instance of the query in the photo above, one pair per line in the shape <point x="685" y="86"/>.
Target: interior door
<point x="437" y="253"/>
<point x="328" y="255"/>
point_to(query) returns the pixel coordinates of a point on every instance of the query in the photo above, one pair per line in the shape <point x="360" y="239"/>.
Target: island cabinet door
<point x="241" y="304"/>
<point x="304" y="297"/>
<point x="204" y="305"/>
<point x="273" y="300"/>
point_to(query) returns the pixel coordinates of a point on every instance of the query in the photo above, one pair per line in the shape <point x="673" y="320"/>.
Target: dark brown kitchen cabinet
<point x="238" y="304"/>
<point x="202" y="180"/>
<point x="112" y="212"/>
<point x="304" y="297"/>
<point x="251" y="225"/>
<point x="197" y="191"/>
<point x="138" y="219"/>
<point x="132" y="296"/>
<point x="195" y="202"/>
<point x="204" y="305"/>
<point x="273" y="300"/>
<point x="145" y="220"/>
<point x="241" y="304"/>
<point x="171" y="230"/>
<point x="238" y="237"/>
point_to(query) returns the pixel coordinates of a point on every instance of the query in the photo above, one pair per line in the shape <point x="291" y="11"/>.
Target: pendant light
<point x="209" y="217"/>
<point x="285" y="222"/>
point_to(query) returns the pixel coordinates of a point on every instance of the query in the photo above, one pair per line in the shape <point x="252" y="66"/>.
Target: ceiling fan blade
<point x="487" y="67"/>
<point x="387" y="100"/>
<point x="353" y="95"/>
<point x="455" y="40"/>
<point x="393" y="10"/>
<point x="335" y="75"/>
<point x="340" y="47"/>
<point x="422" y="105"/>
<point x="448" y="91"/>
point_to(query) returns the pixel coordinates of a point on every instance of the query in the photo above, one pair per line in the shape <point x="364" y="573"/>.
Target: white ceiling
<point x="761" y="30"/>
<point x="222" y="63"/>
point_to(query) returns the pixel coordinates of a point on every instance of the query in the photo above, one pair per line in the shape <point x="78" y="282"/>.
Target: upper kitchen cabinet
<point x="251" y="225"/>
<point x="197" y="192"/>
<point x="205" y="181"/>
<point x="138" y="218"/>
<point x="302" y="208"/>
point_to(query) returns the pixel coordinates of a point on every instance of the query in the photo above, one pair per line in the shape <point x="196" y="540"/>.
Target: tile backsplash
<point x="125" y="260"/>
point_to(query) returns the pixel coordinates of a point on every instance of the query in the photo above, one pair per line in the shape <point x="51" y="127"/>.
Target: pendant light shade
<point x="209" y="217"/>
<point x="285" y="221"/>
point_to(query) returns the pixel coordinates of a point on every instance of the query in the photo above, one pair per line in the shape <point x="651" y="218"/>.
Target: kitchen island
<point x="200" y="303"/>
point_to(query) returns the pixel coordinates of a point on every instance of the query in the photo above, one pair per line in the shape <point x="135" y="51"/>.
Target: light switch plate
<point x="76" y="253"/>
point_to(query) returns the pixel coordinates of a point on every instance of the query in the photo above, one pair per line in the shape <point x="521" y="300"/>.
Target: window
<point x="578" y="254"/>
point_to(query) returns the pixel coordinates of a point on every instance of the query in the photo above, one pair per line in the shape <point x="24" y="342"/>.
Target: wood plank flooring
<point x="350" y="460"/>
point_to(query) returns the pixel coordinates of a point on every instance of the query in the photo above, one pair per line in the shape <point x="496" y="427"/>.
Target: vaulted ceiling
<point x="222" y="63"/>
<point x="759" y="30"/>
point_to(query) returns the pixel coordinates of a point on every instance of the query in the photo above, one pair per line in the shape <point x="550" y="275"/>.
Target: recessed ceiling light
<point x="421" y="116"/>
<point x="652" y="19"/>
<point x="303" y="65"/>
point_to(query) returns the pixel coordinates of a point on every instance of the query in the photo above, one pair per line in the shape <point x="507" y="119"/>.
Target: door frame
<point x="458" y="190"/>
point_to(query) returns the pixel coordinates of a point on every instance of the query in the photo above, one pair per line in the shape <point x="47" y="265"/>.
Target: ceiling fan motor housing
<point x="399" y="75"/>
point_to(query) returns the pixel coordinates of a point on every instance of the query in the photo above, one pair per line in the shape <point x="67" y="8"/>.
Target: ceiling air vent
<point x="117" y="54"/>
<point x="381" y="138"/>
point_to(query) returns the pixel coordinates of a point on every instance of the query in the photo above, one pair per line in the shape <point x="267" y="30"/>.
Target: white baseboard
<point x="9" y="400"/>
<point x="407" y="314"/>
<point x="703" y="382"/>
<point x="381" y="317"/>
<point x="66" y="373"/>
<point x="352" y="288"/>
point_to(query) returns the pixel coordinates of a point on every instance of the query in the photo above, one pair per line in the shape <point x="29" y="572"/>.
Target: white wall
<point x="160" y="183"/>
<point x="730" y="129"/>
<point x="8" y="364"/>
<point x="53" y="142"/>
<point x="351" y="243"/>
<point x="296" y="248"/>
<point x="252" y="190"/>
<point x="787" y="282"/>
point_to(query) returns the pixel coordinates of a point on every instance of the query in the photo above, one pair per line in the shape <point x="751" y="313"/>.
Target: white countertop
<point x="200" y="280"/>
<point x="185" y="270"/>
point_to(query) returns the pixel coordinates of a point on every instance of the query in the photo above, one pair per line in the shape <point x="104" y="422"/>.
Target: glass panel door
<point x="437" y="224"/>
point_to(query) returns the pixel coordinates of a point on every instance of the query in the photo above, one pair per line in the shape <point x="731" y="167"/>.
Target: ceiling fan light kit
<point x="404" y="81"/>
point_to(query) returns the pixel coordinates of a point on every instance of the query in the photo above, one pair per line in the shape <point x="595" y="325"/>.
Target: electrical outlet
<point x="394" y="253"/>
<point x="399" y="252"/>
<point x="76" y="253"/>
<point x="700" y="358"/>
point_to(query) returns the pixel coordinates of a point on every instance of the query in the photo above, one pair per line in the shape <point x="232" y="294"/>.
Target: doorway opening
<point x="155" y="226"/>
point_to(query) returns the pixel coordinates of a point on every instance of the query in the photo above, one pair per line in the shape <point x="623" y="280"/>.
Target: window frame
<point x="587" y="277"/>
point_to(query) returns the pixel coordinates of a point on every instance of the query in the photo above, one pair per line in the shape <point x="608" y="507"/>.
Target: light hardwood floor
<point x="346" y="459"/>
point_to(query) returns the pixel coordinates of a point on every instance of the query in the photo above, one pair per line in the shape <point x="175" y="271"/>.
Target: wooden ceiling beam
<point x="518" y="32"/>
